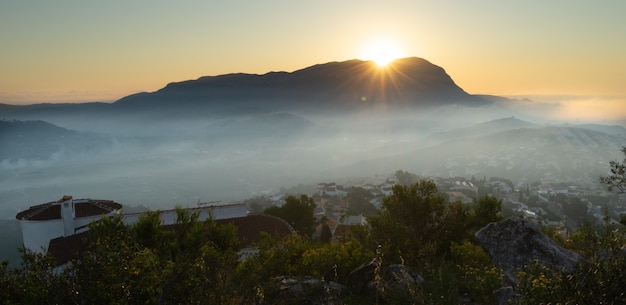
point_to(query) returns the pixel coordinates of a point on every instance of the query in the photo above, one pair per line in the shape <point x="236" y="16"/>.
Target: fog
<point x="178" y="160"/>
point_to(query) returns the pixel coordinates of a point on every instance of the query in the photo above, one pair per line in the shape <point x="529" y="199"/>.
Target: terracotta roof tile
<point x="64" y="249"/>
<point x="46" y="211"/>
<point x="82" y="208"/>
<point x="95" y="207"/>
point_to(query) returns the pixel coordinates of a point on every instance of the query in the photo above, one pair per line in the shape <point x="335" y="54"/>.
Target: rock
<point x="402" y="276"/>
<point x="361" y="281"/>
<point x="307" y="290"/>
<point x="395" y="278"/>
<point x="506" y="295"/>
<point x="514" y="243"/>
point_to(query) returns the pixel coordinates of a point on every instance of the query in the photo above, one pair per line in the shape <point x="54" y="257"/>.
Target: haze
<point x="67" y="51"/>
<point x="561" y="62"/>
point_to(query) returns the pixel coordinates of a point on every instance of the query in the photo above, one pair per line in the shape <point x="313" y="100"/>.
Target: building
<point x="60" y="227"/>
<point x="330" y="189"/>
<point x="61" y="218"/>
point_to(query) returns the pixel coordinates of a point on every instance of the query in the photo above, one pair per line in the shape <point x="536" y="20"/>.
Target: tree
<point x="298" y="213"/>
<point x="325" y="235"/>
<point x="486" y="209"/>
<point x="617" y="179"/>
<point x="575" y="209"/>
<point x="409" y="221"/>
<point x="191" y="261"/>
<point x="359" y="202"/>
<point x="406" y="178"/>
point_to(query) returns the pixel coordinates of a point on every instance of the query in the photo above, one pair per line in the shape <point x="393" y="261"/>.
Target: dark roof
<point x="65" y="249"/>
<point x="82" y="208"/>
<point x="342" y="231"/>
<point x="95" y="207"/>
<point x="249" y="229"/>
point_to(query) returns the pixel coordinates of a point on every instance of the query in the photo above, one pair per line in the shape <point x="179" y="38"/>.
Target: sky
<point x="84" y="51"/>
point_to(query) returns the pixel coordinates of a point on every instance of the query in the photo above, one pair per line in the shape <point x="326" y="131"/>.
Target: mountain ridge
<point x="348" y="84"/>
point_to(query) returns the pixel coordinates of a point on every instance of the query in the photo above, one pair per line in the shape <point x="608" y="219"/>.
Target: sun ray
<point x="382" y="52"/>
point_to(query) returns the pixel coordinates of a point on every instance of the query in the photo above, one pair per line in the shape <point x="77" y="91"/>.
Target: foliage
<point x="35" y="282"/>
<point x="575" y="209"/>
<point x="478" y="276"/>
<point x="617" y="179"/>
<point x="406" y="178"/>
<point x="409" y="221"/>
<point x="599" y="280"/>
<point x="359" y="202"/>
<point x="188" y="262"/>
<point x="298" y="213"/>
<point x="416" y="225"/>
<point x="197" y="262"/>
<point x="325" y="235"/>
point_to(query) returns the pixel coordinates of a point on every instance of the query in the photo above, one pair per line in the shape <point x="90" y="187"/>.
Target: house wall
<point x="217" y="212"/>
<point x="37" y="234"/>
<point x="80" y="224"/>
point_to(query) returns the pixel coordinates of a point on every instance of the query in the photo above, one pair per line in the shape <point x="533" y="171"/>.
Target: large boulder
<point x="394" y="279"/>
<point x="514" y="243"/>
<point x="305" y="290"/>
<point x="506" y="295"/>
<point x="362" y="280"/>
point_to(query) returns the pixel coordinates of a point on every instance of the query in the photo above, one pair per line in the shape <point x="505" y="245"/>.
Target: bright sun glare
<point x="382" y="52"/>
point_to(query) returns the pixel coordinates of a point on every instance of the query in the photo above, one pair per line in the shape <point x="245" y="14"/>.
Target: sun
<point x="382" y="52"/>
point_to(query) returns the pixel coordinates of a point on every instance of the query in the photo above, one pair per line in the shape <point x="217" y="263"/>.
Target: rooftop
<point x="82" y="208"/>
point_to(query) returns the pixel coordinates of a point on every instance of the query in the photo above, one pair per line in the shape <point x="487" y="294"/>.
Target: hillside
<point x="480" y="129"/>
<point x="344" y="85"/>
<point x="335" y="87"/>
<point x="36" y="140"/>
<point x="554" y="152"/>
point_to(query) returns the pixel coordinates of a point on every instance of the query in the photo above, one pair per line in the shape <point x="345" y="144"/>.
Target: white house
<point x="65" y="217"/>
<point x="58" y="227"/>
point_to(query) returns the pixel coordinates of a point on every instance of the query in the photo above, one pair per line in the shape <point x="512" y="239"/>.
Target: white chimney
<point x="67" y="215"/>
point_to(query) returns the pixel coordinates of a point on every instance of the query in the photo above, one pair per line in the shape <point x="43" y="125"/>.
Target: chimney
<point x="67" y="215"/>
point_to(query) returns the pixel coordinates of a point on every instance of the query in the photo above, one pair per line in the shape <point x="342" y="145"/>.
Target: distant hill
<point x="563" y="152"/>
<point x="610" y="129"/>
<point x="32" y="140"/>
<point x="263" y="126"/>
<point x="15" y="129"/>
<point x="480" y="129"/>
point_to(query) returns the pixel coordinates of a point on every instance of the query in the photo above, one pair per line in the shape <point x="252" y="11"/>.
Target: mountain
<point x="610" y="129"/>
<point x="36" y="140"/>
<point x="480" y="129"/>
<point x="548" y="152"/>
<point x="346" y="85"/>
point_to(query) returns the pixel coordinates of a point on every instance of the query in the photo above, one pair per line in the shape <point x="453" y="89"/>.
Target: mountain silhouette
<point x="406" y="84"/>
<point x="347" y="85"/>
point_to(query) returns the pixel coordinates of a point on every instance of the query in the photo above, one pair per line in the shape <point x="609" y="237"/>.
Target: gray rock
<point x="395" y="278"/>
<point x="361" y="281"/>
<point x="505" y="295"/>
<point x="402" y="276"/>
<point x="514" y="243"/>
<point x="307" y="290"/>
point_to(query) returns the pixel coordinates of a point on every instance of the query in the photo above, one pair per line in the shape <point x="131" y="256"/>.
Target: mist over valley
<point x="235" y="136"/>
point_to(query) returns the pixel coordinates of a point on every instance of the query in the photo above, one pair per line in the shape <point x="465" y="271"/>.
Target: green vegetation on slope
<point x="197" y="261"/>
